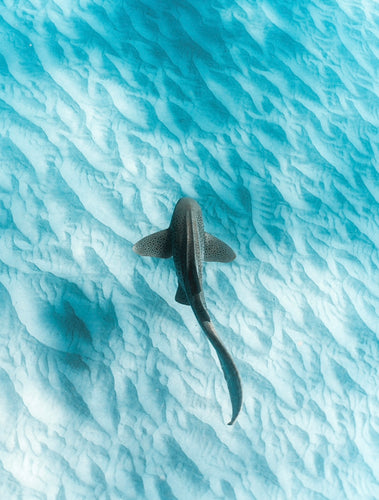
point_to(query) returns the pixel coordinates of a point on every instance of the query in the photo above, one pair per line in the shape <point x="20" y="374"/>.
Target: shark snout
<point x="187" y="204"/>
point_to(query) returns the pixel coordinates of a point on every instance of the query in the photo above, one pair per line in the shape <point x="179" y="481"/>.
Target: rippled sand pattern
<point x="267" y="113"/>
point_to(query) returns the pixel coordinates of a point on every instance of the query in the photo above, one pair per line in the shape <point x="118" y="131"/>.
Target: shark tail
<point x="228" y="367"/>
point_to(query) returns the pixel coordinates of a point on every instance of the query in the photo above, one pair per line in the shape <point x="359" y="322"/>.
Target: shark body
<point x="186" y="241"/>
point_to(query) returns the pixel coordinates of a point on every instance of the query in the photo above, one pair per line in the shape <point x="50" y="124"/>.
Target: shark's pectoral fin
<point x="155" y="245"/>
<point x="181" y="296"/>
<point x="216" y="250"/>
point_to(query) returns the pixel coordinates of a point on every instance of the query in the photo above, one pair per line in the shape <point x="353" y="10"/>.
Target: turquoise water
<point x="267" y="114"/>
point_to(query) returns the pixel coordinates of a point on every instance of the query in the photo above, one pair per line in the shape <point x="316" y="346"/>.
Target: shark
<point x="190" y="246"/>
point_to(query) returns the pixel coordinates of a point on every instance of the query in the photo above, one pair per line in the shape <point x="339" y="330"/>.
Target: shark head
<point x="185" y="205"/>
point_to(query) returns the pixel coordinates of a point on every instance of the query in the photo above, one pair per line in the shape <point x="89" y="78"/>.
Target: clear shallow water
<point x="268" y="115"/>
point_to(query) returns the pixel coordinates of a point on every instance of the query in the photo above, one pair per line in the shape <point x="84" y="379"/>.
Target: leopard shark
<point x="190" y="246"/>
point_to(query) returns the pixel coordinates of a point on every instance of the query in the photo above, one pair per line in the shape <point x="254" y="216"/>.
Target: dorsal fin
<point x="216" y="250"/>
<point x="155" y="245"/>
<point x="194" y="280"/>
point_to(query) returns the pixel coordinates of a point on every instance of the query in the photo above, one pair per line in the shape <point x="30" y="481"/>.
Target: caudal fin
<point x="228" y="367"/>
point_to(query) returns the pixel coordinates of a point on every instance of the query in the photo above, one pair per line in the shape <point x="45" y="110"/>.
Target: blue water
<point x="265" y="112"/>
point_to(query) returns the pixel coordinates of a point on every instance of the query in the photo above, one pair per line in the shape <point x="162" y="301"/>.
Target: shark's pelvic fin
<point x="181" y="296"/>
<point x="216" y="250"/>
<point x="155" y="245"/>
